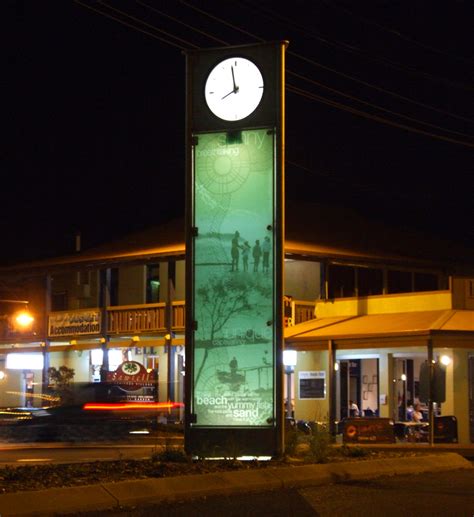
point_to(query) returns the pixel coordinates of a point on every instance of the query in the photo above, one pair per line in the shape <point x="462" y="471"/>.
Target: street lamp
<point x="24" y="319"/>
<point x="21" y="319"/>
<point x="289" y="362"/>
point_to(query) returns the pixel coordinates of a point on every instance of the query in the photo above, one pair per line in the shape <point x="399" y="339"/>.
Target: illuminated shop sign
<point x="312" y="385"/>
<point x="24" y="361"/>
<point x="234" y="279"/>
<point x="74" y="322"/>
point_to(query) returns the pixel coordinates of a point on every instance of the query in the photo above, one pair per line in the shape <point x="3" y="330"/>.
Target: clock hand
<point x="236" y="88"/>
<point x="233" y="91"/>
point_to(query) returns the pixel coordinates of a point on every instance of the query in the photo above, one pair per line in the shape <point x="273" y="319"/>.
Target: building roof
<point x="369" y="328"/>
<point x="312" y="230"/>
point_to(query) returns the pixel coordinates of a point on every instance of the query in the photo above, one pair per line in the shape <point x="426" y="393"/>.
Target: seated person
<point x="417" y="415"/>
<point x="368" y="412"/>
<point x="353" y="409"/>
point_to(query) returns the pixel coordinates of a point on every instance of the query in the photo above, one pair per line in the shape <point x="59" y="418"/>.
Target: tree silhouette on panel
<point x="221" y="299"/>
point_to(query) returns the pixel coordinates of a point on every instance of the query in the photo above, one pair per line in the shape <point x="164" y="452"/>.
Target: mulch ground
<point x="39" y="477"/>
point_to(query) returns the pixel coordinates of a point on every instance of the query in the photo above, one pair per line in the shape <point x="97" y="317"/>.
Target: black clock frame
<point x="269" y="58"/>
<point x="200" y="64"/>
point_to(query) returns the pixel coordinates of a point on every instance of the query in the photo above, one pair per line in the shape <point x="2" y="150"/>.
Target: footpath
<point x="106" y="496"/>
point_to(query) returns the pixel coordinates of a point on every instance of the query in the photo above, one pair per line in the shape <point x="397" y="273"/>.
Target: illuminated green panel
<point x="234" y="280"/>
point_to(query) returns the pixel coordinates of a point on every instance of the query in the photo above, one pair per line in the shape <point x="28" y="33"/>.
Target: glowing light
<point x="39" y="396"/>
<point x="17" y="361"/>
<point x="24" y="319"/>
<point x="115" y="359"/>
<point x="336" y="367"/>
<point x="97" y="357"/>
<point x="403" y="377"/>
<point x="2" y="375"/>
<point x="445" y="359"/>
<point x="120" y="406"/>
<point x="289" y="357"/>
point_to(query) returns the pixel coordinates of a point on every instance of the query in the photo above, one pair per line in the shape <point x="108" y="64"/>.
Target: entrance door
<point x="349" y="372"/>
<point x="29" y="391"/>
<point x="344" y="388"/>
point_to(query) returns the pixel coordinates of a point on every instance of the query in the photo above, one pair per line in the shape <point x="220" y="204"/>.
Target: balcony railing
<point x="178" y="315"/>
<point x="136" y="319"/>
<point x="304" y="311"/>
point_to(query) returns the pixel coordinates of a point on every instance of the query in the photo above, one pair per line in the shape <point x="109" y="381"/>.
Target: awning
<point x="452" y="328"/>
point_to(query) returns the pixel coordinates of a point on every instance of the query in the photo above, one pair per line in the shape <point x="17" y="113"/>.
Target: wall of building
<point x="132" y="285"/>
<point x="11" y="388"/>
<point x="302" y="279"/>
<point x="463" y="293"/>
<point x="460" y="387"/>
<point x="307" y="409"/>
<point x="81" y="288"/>
<point x="385" y="304"/>
<point x="180" y="285"/>
<point x="78" y="360"/>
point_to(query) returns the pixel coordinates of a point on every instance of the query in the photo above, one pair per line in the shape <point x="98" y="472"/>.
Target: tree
<point x="60" y="382"/>
<point x="223" y="298"/>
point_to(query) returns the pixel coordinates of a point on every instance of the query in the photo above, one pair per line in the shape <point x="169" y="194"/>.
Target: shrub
<point x="353" y="452"/>
<point x="320" y="444"/>
<point x="170" y="454"/>
<point x="292" y="439"/>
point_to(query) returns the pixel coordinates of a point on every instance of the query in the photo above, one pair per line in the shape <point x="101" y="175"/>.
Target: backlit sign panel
<point x="234" y="347"/>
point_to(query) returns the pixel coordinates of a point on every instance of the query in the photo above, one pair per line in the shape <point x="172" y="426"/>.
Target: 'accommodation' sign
<point x="74" y="322"/>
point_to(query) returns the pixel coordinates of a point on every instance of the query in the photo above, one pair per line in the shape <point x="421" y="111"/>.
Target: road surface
<point x="445" y="494"/>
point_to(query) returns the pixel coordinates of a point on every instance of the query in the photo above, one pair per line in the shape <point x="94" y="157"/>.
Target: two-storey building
<point x="366" y="307"/>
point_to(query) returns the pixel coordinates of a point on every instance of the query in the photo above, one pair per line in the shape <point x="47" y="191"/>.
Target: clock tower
<point x="234" y="250"/>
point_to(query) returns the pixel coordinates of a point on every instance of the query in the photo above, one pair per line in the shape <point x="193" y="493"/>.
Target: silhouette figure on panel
<point x="234" y="251"/>
<point x="266" y="247"/>
<point x="245" y="255"/>
<point x="256" y="253"/>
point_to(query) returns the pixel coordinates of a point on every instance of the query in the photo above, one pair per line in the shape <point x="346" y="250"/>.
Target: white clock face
<point x="234" y="89"/>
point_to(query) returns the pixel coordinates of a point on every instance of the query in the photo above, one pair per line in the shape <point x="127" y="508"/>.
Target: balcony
<point x="303" y="311"/>
<point x="123" y="320"/>
<point x="133" y="319"/>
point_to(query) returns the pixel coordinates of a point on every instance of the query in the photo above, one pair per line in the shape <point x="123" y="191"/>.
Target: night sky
<point x="94" y="112"/>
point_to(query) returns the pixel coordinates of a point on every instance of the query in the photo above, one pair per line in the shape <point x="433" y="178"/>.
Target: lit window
<point x="24" y="361"/>
<point x="115" y="359"/>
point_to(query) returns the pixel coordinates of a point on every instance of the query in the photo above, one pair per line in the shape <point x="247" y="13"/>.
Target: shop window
<point x="426" y="282"/>
<point x="153" y="283"/>
<point x="369" y="281"/>
<point x="116" y="357"/>
<point x="399" y="281"/>
<point x="341" y="281"/>
<point x="59" y="301"/>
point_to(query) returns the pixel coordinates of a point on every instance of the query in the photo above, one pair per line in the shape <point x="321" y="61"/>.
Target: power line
<point x="378" y="88"/>
<point x="163" y="40"/>
<point x="376" y="106"/>
<point x="313" y="96"/>
<point x="397" y="33"/>
<point x="290" y="88"/>
<point x="173" y="18"/>
<point x="355" y="50"/>
<point x="220" y="20"/>
<point x="320" y="65"/>
<point x="190" y="45"/>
